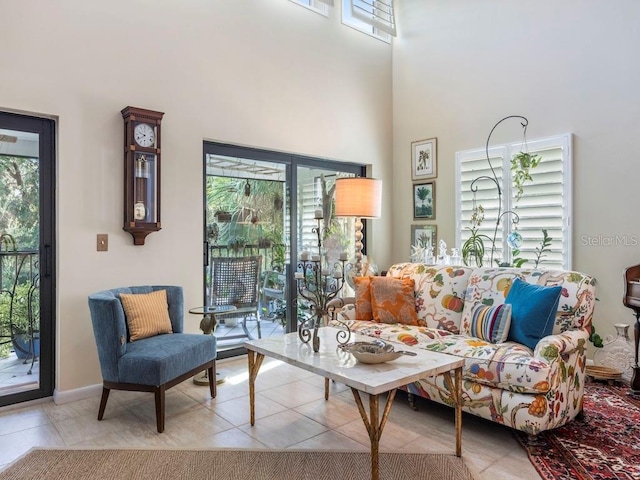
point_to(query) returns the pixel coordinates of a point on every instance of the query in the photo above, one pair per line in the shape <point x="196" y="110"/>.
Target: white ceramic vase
<point x="617" y="352"/>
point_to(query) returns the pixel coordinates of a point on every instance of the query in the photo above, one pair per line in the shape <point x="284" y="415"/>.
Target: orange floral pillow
<point x="393" y="300"/>
<point x="363" y="298"/>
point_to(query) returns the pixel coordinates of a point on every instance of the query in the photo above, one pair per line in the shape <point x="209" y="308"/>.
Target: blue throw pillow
<point x="533" y="311"/>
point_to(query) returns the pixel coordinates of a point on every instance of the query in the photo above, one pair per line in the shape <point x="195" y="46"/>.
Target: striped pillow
<point x="490" y="323"/>
<point x="147" y="314"/>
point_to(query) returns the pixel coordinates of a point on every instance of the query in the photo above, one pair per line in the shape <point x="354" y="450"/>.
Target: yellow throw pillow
<point x="147" y="314"/>
<point x="393" y="300"/>
<point x="363" y="298"/>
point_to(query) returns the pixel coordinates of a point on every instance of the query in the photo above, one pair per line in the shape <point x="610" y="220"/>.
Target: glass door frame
<point x="291" y="162"/>
<point x="45" y="129"/>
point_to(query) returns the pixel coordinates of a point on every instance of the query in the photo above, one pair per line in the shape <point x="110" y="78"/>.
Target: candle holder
<point x="319" y="285"/>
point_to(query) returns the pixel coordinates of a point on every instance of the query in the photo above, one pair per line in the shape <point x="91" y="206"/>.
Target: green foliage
<point x="473" y="247"/>
<point x="521" y="164"/>
<point x="594" y="337"/>
<point x="19" y="199"/>
<point x="544" y="247"/>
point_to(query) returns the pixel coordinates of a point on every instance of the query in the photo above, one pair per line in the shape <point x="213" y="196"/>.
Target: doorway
<point x="263" y="203"/>
<point x="27" y="208"/>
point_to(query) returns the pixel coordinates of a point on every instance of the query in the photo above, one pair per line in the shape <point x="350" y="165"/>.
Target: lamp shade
<point x="358" y="197"/>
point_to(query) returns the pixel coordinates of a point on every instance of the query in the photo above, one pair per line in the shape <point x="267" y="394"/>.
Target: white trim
<point x="60" y="397"/>
<point x="317" y="6"/>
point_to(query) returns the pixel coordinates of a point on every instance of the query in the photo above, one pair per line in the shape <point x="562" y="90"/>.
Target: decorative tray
<point x="599" y="372"/>
<point x="374" y="352"/>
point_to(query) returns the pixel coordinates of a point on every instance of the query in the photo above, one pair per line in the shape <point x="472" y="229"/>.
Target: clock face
<point x="144" y="135"/>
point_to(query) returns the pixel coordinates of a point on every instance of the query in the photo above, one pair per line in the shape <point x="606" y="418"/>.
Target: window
<point x="545" y="202"/>
<point x="319" y="6"/>
<point x="373" y="17"/>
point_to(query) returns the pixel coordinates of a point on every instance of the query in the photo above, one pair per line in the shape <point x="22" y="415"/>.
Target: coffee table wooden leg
<point x="373" y="427"/>
<point x="255" y="361"/>
<point x="456" y="393"/>
<point x="326" y="389"/>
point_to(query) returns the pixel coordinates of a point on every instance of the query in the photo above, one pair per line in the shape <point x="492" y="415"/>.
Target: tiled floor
<point x="290" y="413"/>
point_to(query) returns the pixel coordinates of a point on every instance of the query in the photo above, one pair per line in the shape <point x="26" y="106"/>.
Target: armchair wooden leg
<point x="212" y="379"/>
<point x="103" y="402"/>
<point x="159" y="392"/>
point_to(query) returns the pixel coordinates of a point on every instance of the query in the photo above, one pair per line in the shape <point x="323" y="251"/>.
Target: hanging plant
<point x="521" y="165"/>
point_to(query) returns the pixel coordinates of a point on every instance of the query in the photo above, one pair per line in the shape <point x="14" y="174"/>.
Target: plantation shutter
<point x="375" y="13"/>
<point x="308" y="201"/>
<point x="472" y="165"/>
<point x="545" y="202"/>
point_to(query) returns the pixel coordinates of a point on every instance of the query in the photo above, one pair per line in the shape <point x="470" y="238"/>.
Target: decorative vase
<point x="617" y="352"/>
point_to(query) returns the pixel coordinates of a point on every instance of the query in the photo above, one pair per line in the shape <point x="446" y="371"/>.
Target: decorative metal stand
<point x="318" y="285"/>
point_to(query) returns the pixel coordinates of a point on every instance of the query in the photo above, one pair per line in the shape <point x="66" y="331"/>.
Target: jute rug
<point x="223" y="464"/>
<point x="605" y="445"/>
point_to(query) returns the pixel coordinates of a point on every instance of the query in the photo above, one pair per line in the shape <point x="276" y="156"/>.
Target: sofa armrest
<point x="562" y="344"/>
<point x="345" y="307"/>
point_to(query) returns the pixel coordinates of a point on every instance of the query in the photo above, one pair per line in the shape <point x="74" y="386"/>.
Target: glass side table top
<point x="208" y="309"/>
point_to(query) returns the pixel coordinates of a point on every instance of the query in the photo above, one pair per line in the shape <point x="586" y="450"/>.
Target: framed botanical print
<point x="424" y="201"/>
<point x="424" y="236"/>
<point x="424" y="159"/>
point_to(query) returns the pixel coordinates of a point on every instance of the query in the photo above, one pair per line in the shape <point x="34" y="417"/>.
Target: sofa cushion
<point x="491" y="285"/>
<point x="156" y="360"/>
<point x="439" y="292"/>
<point x="491" y="323"/>
<point x="147" y="314"/>
<point x="363" y="298"/>
<point x="393" y="301"/>
<point x="509" y="366"/>
<point x="533" y="313"/>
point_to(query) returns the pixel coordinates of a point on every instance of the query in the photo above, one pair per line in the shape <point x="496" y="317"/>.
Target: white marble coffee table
<point x="333" y="363"/>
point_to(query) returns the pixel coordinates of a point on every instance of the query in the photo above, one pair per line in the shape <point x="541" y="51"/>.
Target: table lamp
<point x="361" y="198"/>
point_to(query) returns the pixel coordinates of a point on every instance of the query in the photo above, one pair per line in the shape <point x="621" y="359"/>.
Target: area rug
<point x="604" y="445"/>
<point x="222" y="464"/>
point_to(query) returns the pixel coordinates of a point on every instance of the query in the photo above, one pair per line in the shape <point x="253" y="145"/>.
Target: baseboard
<point x="77" y="394"/>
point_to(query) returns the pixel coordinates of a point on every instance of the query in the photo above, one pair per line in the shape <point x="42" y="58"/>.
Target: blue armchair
<point x="152" y="364"/>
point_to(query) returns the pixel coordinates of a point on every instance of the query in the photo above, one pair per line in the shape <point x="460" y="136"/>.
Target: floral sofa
<point x="509" y="383"/>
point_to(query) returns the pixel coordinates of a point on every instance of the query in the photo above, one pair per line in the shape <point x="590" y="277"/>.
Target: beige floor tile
<point x="294" y="394"/>
<point x="283" y="429"/>
<point x="332" y="413"/>
<point x="23" y="418"/>
<point x="232" y="438"/>
<point x="331" y="440"/>
<point x="81" y="428"/>
<point x="237" y="411"/>
<point x="16" y="444"/>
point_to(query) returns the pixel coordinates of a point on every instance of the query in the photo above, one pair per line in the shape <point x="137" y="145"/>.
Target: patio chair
<point x="234" y="281"/>
<point x="153" y="363"/>
<point x="273" y="294"/>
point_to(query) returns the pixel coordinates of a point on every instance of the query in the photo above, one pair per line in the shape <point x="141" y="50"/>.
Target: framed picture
<point x="424" y="159"/>
<point x="424" y="236"/>
<point x="424" y="201"/>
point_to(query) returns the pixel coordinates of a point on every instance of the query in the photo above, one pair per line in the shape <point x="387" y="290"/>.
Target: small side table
<point x="208" y="326"/>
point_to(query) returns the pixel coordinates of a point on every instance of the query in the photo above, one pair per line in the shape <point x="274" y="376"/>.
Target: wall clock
<point x="141" y="172"/>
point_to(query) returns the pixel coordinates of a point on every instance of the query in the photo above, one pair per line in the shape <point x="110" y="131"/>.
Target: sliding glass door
<point x="260" y="203"/>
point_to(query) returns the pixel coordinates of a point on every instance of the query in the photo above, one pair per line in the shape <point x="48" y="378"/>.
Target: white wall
<point x="570" y="67"/>
<point x="264" y="73"/>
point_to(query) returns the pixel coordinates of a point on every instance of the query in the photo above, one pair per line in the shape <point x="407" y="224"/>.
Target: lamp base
<point x="202" y="378"/>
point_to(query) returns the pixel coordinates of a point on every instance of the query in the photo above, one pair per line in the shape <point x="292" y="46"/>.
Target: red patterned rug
<point x="604" y="445"/>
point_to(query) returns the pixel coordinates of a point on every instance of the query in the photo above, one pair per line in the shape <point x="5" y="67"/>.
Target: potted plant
<point x="521" y="164"/>
<point x="473" y="247"/>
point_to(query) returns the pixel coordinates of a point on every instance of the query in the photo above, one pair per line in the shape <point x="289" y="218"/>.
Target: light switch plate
<point x="102" y="242"/>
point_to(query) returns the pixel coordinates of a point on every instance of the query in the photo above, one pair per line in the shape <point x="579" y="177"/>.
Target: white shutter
<point x="544" y="204"/>
<point x="327" y="2"/>
<point x="472" y="165"/>
<point x="376" y="13"/>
